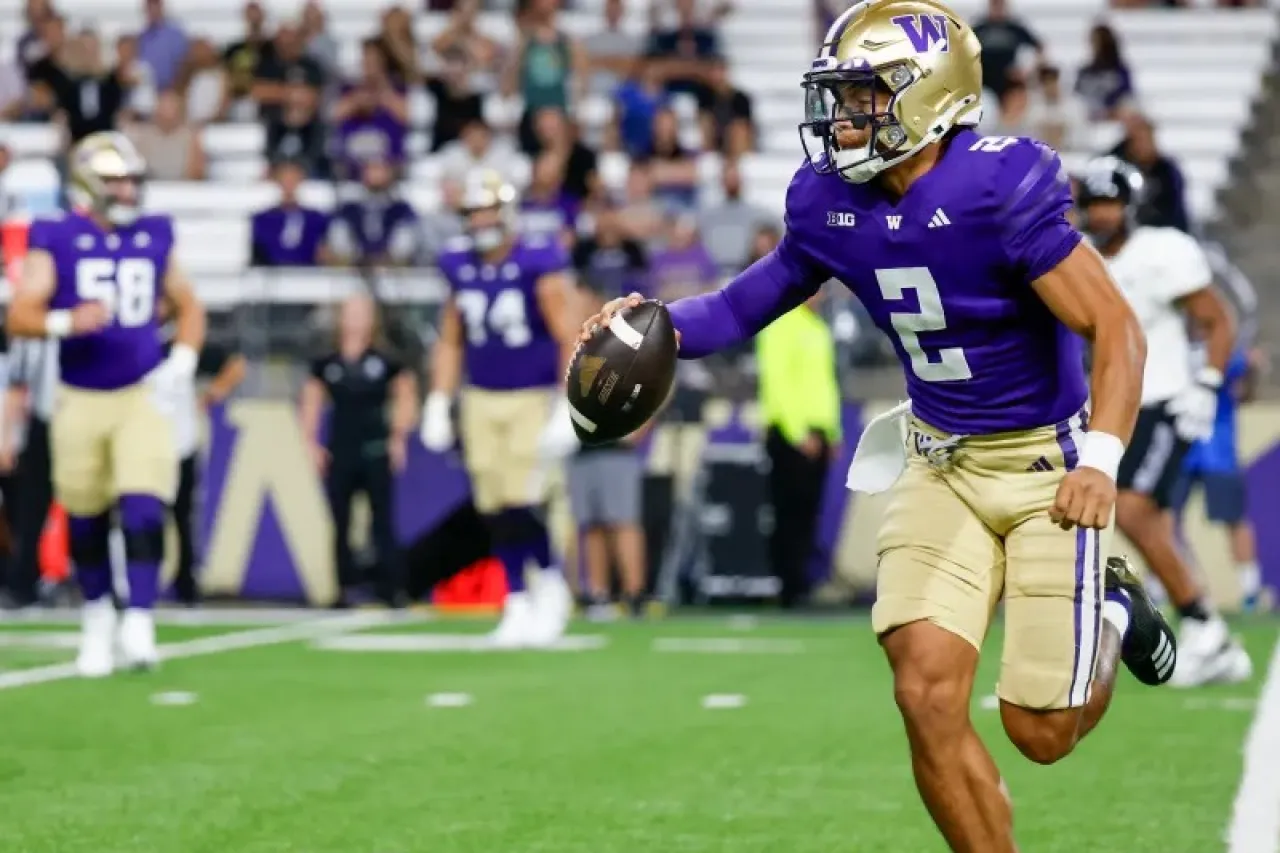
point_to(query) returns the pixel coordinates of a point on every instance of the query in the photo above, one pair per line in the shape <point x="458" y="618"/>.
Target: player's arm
<point x="29" y="314"/>
<point x="404" y="403"/>
<point x="1081" y="293"/>
<point x="1209" y="316"/>
<point x="558" y="301"/>
<point x="16" y="400"/>
<point x="436" y="430"/>
<point x="188" y="317"/>
<point x="227" y="379"/>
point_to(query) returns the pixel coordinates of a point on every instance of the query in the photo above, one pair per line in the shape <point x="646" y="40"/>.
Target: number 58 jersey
<point x="946" y="272"/>
<point x="506" y="343"/>
<point x="124" y="270"/>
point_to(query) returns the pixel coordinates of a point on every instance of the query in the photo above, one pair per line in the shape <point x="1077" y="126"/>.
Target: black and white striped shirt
<point x="33" y="363"/>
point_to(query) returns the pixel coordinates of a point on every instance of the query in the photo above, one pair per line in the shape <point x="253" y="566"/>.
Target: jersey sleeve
<point x="1184" y="264"/>
<point x="43" y="235"/>
<point x="317" y="368"/>
<point x="1033" y="195"/>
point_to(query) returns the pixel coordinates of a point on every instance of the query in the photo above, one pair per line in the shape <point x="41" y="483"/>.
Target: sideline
<point x="1255" y="815"/>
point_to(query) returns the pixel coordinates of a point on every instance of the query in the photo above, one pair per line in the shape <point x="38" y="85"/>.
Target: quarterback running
<point x="509" y="326"/>
<point x="1165" y="276"/>
<point x="959" y="247"/>
<point x="95" y="278"/>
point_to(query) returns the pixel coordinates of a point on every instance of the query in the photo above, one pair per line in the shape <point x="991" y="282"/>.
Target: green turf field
<point x="607" y="748"/>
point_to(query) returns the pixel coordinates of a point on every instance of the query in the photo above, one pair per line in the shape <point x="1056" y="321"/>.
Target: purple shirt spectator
<point x="163" y="46"/>
<point x="677" y="272"/>
<point x="288" y="236"/>
<point x="373" y="135"/>
<point x="548" y="217"/>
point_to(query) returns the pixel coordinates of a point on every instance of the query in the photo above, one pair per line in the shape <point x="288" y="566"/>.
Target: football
<point x="622" y="376"/>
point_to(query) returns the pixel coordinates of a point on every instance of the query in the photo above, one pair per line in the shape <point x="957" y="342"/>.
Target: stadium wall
<point x="267" y="532"/>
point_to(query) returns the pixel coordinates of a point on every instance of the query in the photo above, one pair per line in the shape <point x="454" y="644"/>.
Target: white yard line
<point x="325" y="626"/>
<point x="214" y="616"/>
<point x="1255" y="818"/>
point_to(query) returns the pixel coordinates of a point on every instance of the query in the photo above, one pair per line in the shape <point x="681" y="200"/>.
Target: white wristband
<point x="1210" y="377"/>
<point x="184" y="360"/>
<point x="437" y="403"/>
<point x="1102" y="451"/>
<point x="57" y="324"/>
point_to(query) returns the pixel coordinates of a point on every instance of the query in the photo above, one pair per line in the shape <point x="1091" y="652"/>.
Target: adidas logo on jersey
<point x="1040" y="464"/>
<point x="939" y="219"/>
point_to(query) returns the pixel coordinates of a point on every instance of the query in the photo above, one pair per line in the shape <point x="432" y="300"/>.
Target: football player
<point x="958" y="246"/>
<point x="1165" y="275"/>
<point x="95" y="278"/>
<point x="510" y="328"/>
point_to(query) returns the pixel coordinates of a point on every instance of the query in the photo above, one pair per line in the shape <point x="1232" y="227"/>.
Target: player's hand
<point x="558" y="440"/>
<point x="1194" y="411"/>
<point x="89" y="317"/>
<point x="1086" y="498"/>
<point x="436" y="431"/>
<point x="398" y="452"/>
<point x="600" y="320"/>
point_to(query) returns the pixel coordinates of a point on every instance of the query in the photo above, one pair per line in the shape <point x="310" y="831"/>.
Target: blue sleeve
<point x="43" y="235"/>
<point x="780" y="281"/>
<point x="1033" y="195"/>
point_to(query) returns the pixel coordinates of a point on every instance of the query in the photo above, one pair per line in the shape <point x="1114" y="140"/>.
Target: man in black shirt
<point x="242" y="59"/>
<point x="80" y="87"/>
<point x="1002" y="37"/>
<point x="282" y="68"/>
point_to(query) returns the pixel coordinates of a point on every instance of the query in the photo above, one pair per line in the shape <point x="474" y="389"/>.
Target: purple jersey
<point x="507" y="343"/>
<point x="945" y="272"/>
<point x="124" y="269"/>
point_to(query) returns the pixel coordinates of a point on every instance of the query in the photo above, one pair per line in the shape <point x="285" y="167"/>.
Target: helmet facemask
<point x="851" y="126"/>
<point x="1108" y="181"/>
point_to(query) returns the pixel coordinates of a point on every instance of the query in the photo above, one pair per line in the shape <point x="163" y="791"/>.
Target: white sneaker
<point x="516" y="626"/>
<point x="97" y="634"/>
<point x="138" y="640"/>
<point x="552" y="606"/>
<point x="1208" y="654"/>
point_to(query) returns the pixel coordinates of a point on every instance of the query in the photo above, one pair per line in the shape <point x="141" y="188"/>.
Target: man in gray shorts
<point x="605" y="493"/>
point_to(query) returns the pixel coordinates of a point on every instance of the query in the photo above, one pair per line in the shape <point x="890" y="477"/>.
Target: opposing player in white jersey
<point x="1165" y="275"/>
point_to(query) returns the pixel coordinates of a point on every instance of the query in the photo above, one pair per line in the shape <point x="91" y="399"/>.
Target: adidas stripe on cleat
<point x="1149" y="648"/>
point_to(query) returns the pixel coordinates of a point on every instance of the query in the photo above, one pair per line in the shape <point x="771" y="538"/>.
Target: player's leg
<point x="78" y="436"/>
<point x="940" y="574"/>
<point x="1226" y="503"/>
<point x="144" y="462"/>
<point x="184" y="585"/>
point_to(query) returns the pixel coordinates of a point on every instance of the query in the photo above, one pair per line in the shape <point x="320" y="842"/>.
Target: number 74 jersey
<point x="123" y="269"/>
<point x="946" y="273"/>
<point x="506" y="343"/>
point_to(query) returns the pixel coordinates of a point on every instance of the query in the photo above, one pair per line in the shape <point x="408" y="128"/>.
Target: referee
<point x="28" y="405"/>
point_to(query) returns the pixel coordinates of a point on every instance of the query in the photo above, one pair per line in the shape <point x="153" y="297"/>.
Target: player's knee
<point x="930" y="701"/>
<point x="90" y="538"/>
<point x="1044" y="737"/>
<point x="142" y="519"/>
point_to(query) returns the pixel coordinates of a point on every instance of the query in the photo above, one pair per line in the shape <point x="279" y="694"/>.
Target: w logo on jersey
<point x="926" y="32"/>
<point x="894" y="222"/>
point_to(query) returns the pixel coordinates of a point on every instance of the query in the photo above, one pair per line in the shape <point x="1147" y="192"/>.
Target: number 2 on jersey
<point x="504" y="315"/>
<point x="950" y="365"/>
<point x="126" y="287"/>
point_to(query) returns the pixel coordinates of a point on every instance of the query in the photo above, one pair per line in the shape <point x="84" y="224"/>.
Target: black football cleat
<point x="1150" y="649"/>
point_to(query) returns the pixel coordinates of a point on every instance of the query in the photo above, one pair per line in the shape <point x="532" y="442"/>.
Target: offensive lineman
<point x="959" y="247"/>
<point x="94" y="278"/>
<point x="510" y="324"/>
<point x="1166" y="277"/>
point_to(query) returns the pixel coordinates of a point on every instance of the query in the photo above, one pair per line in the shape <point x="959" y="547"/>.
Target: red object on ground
<point x="55" y="551"/>
<point x="480" y="586"/>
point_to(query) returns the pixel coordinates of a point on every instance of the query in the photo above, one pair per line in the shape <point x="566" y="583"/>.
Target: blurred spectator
<point x="284" y="66"/>
<point x="1164" y="202"/>
<point x="1003" y="38"/>
<point x="546" y="59"/>
<point x="13" y="91"/>
<point x="1104" y="83"/>
<point x="441" y="224"/>
<point x="320" y="44"/>
<point x="609" y="263"/>
<point x="1012" y="118"/>
<point x="611" y="51"/>
<point x="378" y="229"/>
<point x="641" y="217"/>
<point x="729" y="227"/>
<point x="462" y="37"/>
<point x="203" y="83"/>
<point x="545" y="208"/>
<point x="170" y="146"/>
<point x="372" y="115"/>
<point x="675" y="170"/>
<point x="553" y="134"/>
<point x="44" y="50"/>
<point x="299" y="134"/>
<point x="725" y="111"/>
<point x="79" y="86"/>
<point x="478" y="148"/>
<point x="682" y="51"/>
<point x="287" y="234"/>
<point x="140" y="101"/>
<point x="683" y="267"/>
<point x="638" y="99"/>
<point x="396" y="40"/>
<point x="242" y="59"/>
<point x="456" y="102"/>
<point x="1054" y="116"/>
<point x="162" y="44"/>
<point x="33" y="45"/>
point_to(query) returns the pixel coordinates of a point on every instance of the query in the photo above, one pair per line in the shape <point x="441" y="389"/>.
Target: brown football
<point x="622" y="376"/>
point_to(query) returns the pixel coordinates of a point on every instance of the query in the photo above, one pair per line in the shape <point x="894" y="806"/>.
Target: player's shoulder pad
<point x="455" y="249"/>
<point x="1174" y="250"/>
<point x="159" y="224"/>
<point x="1024" y="179"/>
<point x="542" y="254"/>
<point x="44" y="232"/>
<point x="806" y="184"/>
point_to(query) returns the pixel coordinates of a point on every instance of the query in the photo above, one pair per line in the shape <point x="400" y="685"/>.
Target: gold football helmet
<point x="106" y="173"/>
<point x="892" y="77"/>
<point x="489" y="208"/>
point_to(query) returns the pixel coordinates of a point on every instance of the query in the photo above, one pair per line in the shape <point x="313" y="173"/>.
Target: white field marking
<point x="256" y="637"/>
<point x="1255" y="815"/>
<point x="210" y="616"/>
<point x="727" y="646"/>
<point x="990" y="702"/>
<point x="447" y="643"/>
<point x="744" y="622"/>
<point x="449" y="700"/>
<point x="719" y="701"/>
<point x="174" y="698"/>
<point x="1221" y="703"/>
<point x="39" y="639"/>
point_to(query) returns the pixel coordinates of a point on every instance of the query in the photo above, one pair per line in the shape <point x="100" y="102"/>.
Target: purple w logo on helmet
<point x="925" y="32"/>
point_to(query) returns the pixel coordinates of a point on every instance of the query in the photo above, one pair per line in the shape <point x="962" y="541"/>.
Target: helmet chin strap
<point x="118" y="213"/>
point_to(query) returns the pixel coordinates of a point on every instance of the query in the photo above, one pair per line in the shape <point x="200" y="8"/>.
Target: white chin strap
<point x="122" y="214"/>
<point x="861" y="165"/>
